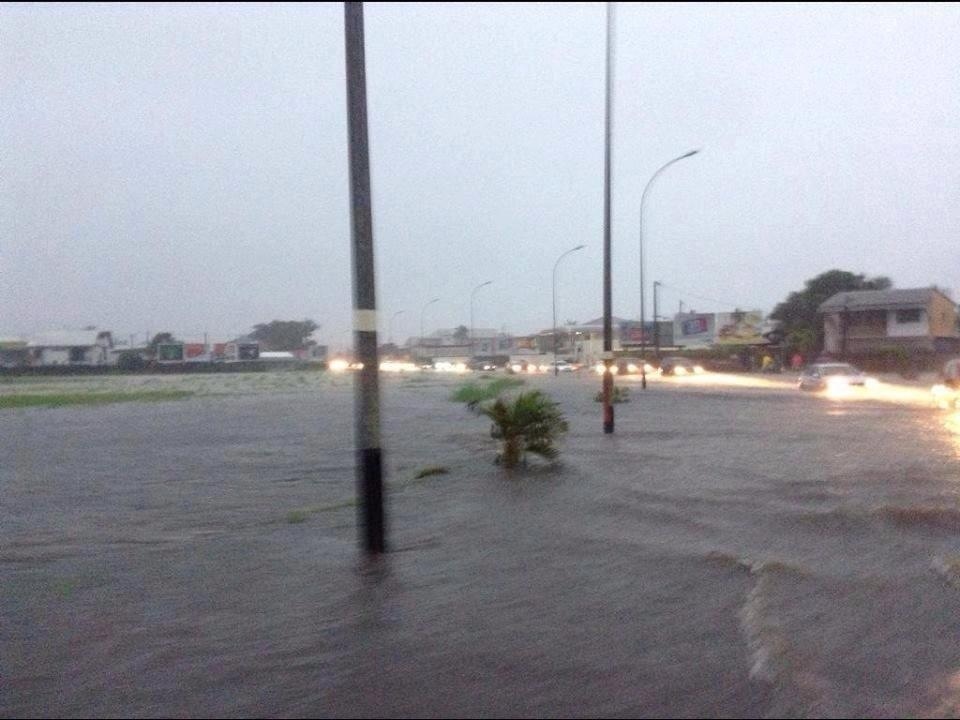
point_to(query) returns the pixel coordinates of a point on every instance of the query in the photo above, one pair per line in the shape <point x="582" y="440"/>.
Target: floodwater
<point x="731" y="551"/>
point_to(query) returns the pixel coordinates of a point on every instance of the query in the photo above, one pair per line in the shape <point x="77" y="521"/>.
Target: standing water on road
<point x="730" y="551"/>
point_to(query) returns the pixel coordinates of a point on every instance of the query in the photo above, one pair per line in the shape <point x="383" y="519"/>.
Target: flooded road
<point x="731" y="551"/>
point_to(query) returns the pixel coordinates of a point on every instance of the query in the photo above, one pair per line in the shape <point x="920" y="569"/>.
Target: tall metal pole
<point x="366" y="389"/>
<point x="643" y="315"/>
<point x="472" y="293"/>
<point x="607" y="289"/>
<point x="420" y="340"/>
<point x="656" y="323"/>
<point x="556" y="372"/>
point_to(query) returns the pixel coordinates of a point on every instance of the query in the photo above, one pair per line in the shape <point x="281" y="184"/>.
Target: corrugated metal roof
<point x="878" y="299"/>
<point x="65" y="338"/>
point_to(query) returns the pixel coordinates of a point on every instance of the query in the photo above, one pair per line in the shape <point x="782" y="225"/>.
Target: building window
<point x="908" y="316"/>
<point x="77" y="354"/>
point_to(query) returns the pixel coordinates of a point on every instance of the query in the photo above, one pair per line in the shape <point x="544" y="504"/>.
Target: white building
<point x="71" y="347"/>
<point x="448" y="343"/>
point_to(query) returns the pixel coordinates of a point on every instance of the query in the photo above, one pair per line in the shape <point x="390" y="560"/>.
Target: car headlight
<point x="679" y="370"/>
<point x="697" y="369"/>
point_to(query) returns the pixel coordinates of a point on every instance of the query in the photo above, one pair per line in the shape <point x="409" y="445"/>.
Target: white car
<point x="832" y="376"/>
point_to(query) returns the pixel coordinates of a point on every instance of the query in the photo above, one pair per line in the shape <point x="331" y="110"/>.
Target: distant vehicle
<point x="679" y="366"/>
<point x="564" y="366"/>
<point x="483" y="365"/>
<point x="529" y="367"/>
<point x="946" y="395"/>
<point x="489" y="362"/>
<point x="951" y="374"/>
<point x="832" y="376"/>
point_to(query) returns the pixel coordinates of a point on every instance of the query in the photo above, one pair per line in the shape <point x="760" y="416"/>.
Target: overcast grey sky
<point x="184" y="167"/>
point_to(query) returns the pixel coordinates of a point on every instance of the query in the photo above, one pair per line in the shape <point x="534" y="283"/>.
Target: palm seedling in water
<point x="529" y="423"/>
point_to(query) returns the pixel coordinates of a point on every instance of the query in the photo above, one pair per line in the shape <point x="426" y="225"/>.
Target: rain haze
<point x="748" y="509"/>
<point x="184" y="167"/>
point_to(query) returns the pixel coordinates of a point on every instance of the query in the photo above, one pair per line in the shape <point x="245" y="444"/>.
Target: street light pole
<point x="390" y="326"/>
<point x="472" y="294"/>
<point x="643" y="314"/>
<point x="556" y="372"/>
<point x="656" y="323"/>
<point x="607" y="392"/>
<point x="420" y="339"/>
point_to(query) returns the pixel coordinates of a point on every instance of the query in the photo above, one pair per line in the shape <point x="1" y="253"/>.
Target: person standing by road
<point x="766" y="364"/>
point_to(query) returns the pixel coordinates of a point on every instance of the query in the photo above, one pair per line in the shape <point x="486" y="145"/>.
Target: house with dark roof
<point x="865" y="321"/>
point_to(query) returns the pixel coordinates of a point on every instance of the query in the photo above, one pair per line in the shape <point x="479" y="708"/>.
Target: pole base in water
<point x="370" y="467"/>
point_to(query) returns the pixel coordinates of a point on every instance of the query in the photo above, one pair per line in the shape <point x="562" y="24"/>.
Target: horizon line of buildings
<point x="854" y="322"/>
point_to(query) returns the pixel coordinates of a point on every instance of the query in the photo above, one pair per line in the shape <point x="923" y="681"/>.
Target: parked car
<point x="832" y="376"/>
<point x="679" y="366"/>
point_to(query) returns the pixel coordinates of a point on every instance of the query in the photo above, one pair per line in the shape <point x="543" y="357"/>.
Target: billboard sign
<point x="248" y="351"/>
<point x="741" y="328"/>
<point x="170" y="352"/>
<point x="632" y="333"/>
<point x="194" y="351"/>
<point x="693" y="329"/>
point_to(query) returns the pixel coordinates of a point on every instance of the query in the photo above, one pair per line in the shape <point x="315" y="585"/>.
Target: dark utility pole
<point x="366" y="388"/>
<point x="607" y="289"/>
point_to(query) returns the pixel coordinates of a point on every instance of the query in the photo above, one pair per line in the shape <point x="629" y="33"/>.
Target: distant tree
<point x="284" y="334"/>
<point x="461" y="334"/>
<point x="130" y="360"/>
<point x="801" y="341"/>
<point x="799" y="311"/>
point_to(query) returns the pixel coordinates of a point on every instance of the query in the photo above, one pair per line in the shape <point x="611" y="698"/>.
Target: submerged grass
<point x="29" y="400"/>
<point x="303" y="514"/>
<point x="431" y="470"/>
<point x="474" y="393"/>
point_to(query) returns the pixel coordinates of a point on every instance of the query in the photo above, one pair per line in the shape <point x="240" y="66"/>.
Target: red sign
<point x="194" y="350"/>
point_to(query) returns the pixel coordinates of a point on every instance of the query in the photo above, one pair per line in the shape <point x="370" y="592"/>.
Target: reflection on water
<point x="952" y="424"/>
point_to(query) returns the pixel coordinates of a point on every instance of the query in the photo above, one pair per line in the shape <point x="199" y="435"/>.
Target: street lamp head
<point x="692" y="153"/>
<point x="579" y="247"/>
<point x="481" y="285"/>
